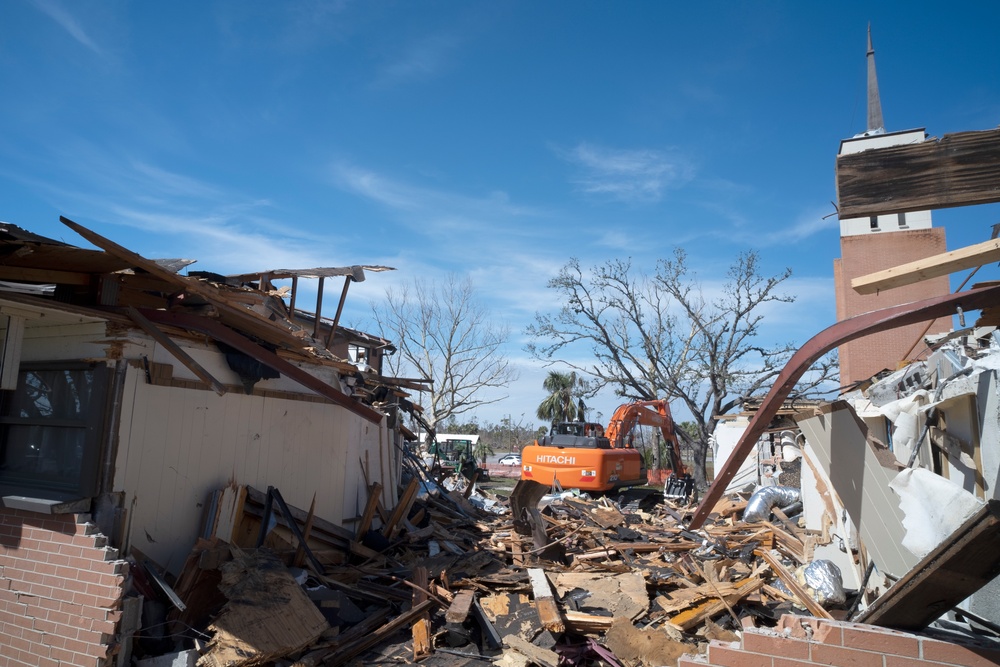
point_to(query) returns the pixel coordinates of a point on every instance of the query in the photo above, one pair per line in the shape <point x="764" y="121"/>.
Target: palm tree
<point x="562" y="403"/>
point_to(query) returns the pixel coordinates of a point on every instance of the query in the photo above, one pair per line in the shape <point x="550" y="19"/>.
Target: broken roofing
<point x="244" y="311"/>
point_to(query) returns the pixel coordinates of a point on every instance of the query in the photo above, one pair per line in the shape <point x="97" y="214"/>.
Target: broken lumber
<point x="545" y="603"/>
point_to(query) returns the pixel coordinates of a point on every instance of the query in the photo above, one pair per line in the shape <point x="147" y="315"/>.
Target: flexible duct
<point x="766" y="497"/>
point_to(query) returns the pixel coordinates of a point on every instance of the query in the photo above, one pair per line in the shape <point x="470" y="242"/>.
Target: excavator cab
<point x="576" y="435"/>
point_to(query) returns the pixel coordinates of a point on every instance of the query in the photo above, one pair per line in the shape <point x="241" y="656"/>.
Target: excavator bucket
<point x="528" y="520"/>
<point x="680" y="488"/>
<point x="523" y="499"/>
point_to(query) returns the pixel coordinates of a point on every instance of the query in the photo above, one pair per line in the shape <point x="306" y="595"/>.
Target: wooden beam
<point x="545" y="603"/>
<point x="176" y="350"/>
<point x="961" y="565"/>
<point x="340" y="310"/>
<point x="960" y="169"/>
<point x="930" y="267"/>
<point x="228" y="336"/>
<point x="423" y="646"/>
<point x="402" y="508"/>
<point x="239" y="317"/>
<point x="460" y="606"/>
<point x="25" y="275"/>
<point x="300" y="551"/>
<point x="366" y="519"/>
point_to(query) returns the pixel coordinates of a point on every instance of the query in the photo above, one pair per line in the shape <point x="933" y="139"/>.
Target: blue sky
<point x="494" y="139"/>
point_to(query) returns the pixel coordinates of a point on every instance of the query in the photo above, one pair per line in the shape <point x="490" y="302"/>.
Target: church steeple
<point x="875" y="123"/>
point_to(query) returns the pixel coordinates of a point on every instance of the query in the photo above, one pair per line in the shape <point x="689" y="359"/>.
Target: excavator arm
<point x="646" y="413"/>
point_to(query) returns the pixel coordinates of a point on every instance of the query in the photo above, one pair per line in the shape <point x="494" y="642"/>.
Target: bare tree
<point x="445" y="337"/>
<point x="659" y="336"/>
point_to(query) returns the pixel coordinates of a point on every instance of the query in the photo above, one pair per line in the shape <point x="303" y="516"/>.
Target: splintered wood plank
<point x="366" y="519"/>
<point x="788" y="543"/>
<point x="422" y="645"/>
<point x="536" y="654"/>
<point x="583" y="623"/>
<point x="515" y="549"/>
<point x="545" y="603"/>
<point x="709" y="608"/>
<point x="402" y="508"/>
<point x="960" y="169"/>
<point x="460" y="606"/>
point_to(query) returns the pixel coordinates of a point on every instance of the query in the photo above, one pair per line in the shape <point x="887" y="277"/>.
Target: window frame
<point x="87" y="481"/>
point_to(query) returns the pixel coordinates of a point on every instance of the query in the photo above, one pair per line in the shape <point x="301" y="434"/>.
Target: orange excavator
<point x="586" y="456"/>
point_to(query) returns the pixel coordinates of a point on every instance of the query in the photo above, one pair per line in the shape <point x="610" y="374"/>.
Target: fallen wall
<point x="60" y="590"/>
<point x="803" y="641"/>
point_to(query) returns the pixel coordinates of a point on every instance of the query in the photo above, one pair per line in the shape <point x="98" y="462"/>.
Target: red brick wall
<point x="801" y="641"/>
<point x="60" y="590"/>
<point x="869" y="253"/>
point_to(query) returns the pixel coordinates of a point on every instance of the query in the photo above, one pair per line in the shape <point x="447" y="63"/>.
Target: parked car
<point x="510" y="460"/>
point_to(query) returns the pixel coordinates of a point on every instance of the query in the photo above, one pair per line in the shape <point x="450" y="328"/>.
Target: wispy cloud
<point x="419" y="61"/>
<point x="628" y="175"/>
<point x="808" y="225"/>
<point x="68" y="23"/>
<point x="433" y="210"/>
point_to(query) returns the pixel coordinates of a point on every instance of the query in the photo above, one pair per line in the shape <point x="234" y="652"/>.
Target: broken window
<point x="50" y="430"/>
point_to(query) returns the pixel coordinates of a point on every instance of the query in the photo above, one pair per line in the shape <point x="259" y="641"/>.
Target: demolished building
<point x="133" y="395"/>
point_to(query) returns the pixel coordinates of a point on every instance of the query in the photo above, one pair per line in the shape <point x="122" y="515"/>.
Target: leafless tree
<point x="660" y="336"/>
<point x="445" y="337"/>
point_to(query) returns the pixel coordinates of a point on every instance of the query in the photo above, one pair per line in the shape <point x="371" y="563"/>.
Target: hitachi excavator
<point x="585" y="456"/>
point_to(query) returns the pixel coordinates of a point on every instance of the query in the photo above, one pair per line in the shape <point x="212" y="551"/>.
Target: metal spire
<point x="875" y="122"/>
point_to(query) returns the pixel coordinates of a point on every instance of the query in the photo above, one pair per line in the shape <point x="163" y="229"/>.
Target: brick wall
<point x="800" y="641"/>
<point x="865" y="254"/>
<point x="60" y="590"/>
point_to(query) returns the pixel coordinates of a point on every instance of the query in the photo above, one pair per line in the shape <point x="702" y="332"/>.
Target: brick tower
<point x="880" y="242"/>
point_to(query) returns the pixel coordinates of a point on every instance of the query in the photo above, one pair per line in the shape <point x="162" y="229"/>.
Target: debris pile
<point x="451" y="576"/>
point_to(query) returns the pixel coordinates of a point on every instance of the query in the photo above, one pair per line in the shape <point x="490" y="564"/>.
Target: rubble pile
<point x="452" y="576"/>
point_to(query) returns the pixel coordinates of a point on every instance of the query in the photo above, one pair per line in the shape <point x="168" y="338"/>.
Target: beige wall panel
<point x="838" y="439"/>
<point x="179" y="445"/>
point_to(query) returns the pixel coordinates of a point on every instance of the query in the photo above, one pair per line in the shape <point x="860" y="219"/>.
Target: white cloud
<point x="628" y="175"/>
<point x="67" y="22"/>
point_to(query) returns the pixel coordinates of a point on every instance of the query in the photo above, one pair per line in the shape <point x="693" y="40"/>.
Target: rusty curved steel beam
<point x="816" y="347"/>
<point x="224" y="334"/>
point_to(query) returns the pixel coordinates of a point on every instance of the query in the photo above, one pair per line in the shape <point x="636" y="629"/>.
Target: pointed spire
<point x="875" y="122"/>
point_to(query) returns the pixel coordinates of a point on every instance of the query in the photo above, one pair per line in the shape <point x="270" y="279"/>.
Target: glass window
<point x="51" y="428"/>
